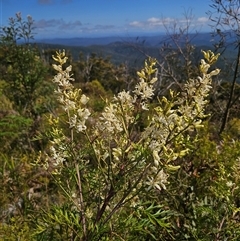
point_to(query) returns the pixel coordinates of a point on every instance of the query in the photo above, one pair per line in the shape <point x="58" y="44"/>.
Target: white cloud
<point x="59" y="27"/>
<point x="153" y="20"/>
<point x="167" y="21"/>
<point x="202" y="19"/>
<point x="136" y="24"/>
<point x="160" y="24"/>
<point x="151" y="23"/>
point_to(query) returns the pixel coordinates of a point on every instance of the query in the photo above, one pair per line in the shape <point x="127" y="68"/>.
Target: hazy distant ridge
<point x="198" y="39"/>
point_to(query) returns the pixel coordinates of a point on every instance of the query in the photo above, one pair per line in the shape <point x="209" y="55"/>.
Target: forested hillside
<point x="123" y="141"/>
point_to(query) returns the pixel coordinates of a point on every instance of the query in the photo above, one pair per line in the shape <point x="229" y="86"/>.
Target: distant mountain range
<point x="199" y="38"/>
<point x="129" y="50"/>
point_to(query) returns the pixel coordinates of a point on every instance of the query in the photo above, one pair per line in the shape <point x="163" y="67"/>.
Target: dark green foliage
<point x="24" y="85"/>
<point x="25" y="73"/>
<point x="13" y="128"/>
<point x="94" y="67"/>
<point x="206" y="197"/>
<point x="22" y="68"/>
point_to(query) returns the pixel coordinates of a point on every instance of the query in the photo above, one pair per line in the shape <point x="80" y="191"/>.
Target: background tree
<point x="23" y="81"/>
<point x="178" y="57"/>
<point x="97" y="68"/>
<point x="226" y="26"/>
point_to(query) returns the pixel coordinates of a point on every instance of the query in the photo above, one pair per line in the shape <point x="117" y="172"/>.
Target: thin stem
<point x="81" y="199"/>
<point x="79" y="183"/>
<point x="119" y="204"/>
<point x="220" y="229"/>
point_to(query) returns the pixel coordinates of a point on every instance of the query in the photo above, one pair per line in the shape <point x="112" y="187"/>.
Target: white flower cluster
<point x="172" y="119"/>
<point x="58" y="150"/>
<point x="73" y="102"/>
<point x="196" y="92"/>
<point x="119" y="114"/>
<point x="161" y="142"/>
<point x="144" y="90"/>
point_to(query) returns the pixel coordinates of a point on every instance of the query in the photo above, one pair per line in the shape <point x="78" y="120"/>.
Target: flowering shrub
<point x="106" y="165"/>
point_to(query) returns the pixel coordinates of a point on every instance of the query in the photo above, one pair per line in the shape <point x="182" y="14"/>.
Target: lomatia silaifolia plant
<point x="110" y="170"/>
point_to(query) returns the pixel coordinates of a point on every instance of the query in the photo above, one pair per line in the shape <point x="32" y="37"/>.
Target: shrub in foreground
<point x="110" y="171"/>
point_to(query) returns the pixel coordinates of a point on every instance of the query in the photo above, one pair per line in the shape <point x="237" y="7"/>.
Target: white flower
<point x="110" y="120"/>
<point x="117" y="153"/>
<point x="144" y="90"/>
<point x="57" y="157"/>
<point x="157" y="180"/>
<point x="153" y="80"/>
<point x="84" y="99"/>
<point x="156" y="158"/>
<point x="125" y="98"/>
<point x="69" y="105"/>
<point x="229" y="184"/>
<point x="144" y="105"/>
<point x="57" y="67"/>
<point x="204" y="66"/>
<point x="83" y="113"/>
<point x="80" y="126"/>
<point x="214" y="72"/>
<point x="69" y="68"/>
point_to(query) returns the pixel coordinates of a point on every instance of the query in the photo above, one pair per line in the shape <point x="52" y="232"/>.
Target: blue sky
<point x="91" y="18"/>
